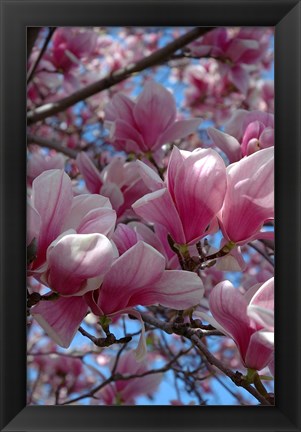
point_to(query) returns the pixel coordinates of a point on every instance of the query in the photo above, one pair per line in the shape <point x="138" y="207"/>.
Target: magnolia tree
<point x="150" y="216"/>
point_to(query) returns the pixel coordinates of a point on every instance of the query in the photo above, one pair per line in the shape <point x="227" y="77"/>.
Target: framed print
<point x="137" y="204"/>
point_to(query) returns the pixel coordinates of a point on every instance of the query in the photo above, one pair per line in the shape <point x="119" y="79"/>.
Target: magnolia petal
<point x="154" y="112"/>
<point x="176" y="289"/>
<point x="120" y="107"/>
<point x="90" y="173"/>
<point x="124" y="238"/>
<point x="52" y="198"/>
<point x="178" y="130"/>
<point x="131" y="194"/>
<point x="150" y="177"/>
<point x="229" y="307"/>
<point x="249" y="199"/>
<point x="261" y="307"/>
<point x="260" y="350"/>
<point x="60" y="318"/>
<point x="240" y="78"/>
<point x="262" y="316"/>
<point x="76" y="258"/>
<point x="158" y="207"/>
<point x="33" y="224"/>
<point x="227" y="143"/>
<point x="81" y="206"/>
<point x="234" y="126"/>
<point x="141" y="350"/>
<point x="124" y="131"/>
<point x="113" y="192"/>
<point x="264" y="296"/>
<point x="138" y="267"/>
<point x="148" y="236"/>
<point x="176" y="159"/>
<point x="100" y="220"/>
<point x="199" y="189"/>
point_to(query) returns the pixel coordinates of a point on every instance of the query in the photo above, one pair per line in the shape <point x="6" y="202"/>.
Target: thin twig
<point x="191" y="334"/>
<point x="267" y="257"/>
<point x="41" y="53"/>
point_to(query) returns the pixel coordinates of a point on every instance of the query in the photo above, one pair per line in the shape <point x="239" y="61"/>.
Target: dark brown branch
<point x="43" y="49"/>
<point x="33" y="139"/>
<point x="109" y="340"/>
<point x="195" y="337"/>
<point x="153" y="59"/>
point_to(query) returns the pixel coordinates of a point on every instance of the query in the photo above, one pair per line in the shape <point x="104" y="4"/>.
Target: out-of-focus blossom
<point x="209" y="94"/>
<point x="62" y="372"/>
<point x="38" y="163"/>
<point x="145" y="125"/>
<point x="124" y="392"/>
<point x="237" y="51"/>
<point x="70" y="45"/>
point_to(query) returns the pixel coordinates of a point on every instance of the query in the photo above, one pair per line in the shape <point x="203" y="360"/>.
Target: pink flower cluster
<point x="76" y="258"/>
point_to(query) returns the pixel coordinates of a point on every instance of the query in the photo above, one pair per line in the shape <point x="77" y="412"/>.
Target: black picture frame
<point x="16" y="15"/>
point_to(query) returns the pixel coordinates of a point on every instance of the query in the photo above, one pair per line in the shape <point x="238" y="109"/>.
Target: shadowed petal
<point x="227" y="143"/>
<point x="90" y="173"/>
<point x="140" y="266"/>
<point x="158" y="207"/>
<point x="60" y="318"/>
<point x="261" y="350"/>
<point x="178" y="130"/>
<point x="229" y="308"/>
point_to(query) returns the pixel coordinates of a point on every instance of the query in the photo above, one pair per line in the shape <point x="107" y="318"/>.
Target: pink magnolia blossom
<point x="53" y="210"/>
<point x="245" y="133"/>
<point x="119" y="181"/>
<point x="231" y="310"/>
<point x="73" y="250"/>
<point x="188" y="202"/>
<point x="124" y="392"/>
<point x="62" y="372"/>
<point x="145" y="125"/>
<point x="70" y="45"/>
<point x="138" y="277"/>
<point x="210" y="94"/>
<point x="249" y="200"/>
<point x="125" y="236"/>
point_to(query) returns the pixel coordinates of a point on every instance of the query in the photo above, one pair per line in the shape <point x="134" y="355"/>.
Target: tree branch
<point x="33" y="139"/>
<point x="43" y="49"/>
<point x="192" y="334"/>
<point x="153" y="59"/>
